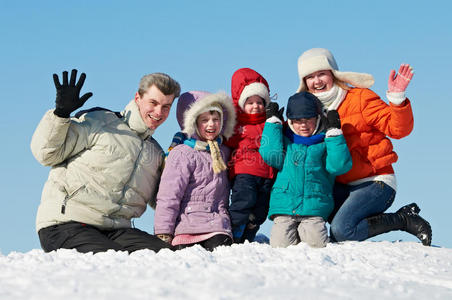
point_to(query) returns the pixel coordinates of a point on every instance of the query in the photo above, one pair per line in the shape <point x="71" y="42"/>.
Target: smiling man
<point x="105" y="167"/>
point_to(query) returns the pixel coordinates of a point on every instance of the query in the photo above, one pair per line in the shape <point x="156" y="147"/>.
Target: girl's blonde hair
<point x="341" y="84"/>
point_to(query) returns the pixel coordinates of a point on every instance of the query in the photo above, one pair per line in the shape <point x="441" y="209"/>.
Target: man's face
<point x="154" y="106"/>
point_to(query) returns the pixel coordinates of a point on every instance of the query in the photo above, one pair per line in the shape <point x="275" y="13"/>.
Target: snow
<point x="349" y="270"/>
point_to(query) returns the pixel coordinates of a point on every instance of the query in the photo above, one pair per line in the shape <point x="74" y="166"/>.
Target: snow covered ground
<point x="351" y="270"/>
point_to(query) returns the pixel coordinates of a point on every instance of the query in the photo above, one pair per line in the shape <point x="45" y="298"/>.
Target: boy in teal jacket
<point x="309" y="151"/>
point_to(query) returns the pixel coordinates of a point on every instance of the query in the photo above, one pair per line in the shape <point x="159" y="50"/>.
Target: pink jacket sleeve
<point x="173" y="184"/>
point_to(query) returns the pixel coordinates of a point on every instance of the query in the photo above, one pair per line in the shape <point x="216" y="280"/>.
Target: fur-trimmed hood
<point x="193" y="103"/>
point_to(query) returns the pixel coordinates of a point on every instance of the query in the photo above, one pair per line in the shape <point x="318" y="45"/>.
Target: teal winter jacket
<point x="305" y="179"/>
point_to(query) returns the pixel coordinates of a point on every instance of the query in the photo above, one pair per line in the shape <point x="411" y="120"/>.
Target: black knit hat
<point x="303" y="105"/>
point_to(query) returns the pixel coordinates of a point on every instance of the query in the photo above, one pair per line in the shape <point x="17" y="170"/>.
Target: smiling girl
<point x="193" y="196"/>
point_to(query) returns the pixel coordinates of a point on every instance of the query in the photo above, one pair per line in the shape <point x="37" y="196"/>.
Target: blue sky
<point x="201" y="44"/>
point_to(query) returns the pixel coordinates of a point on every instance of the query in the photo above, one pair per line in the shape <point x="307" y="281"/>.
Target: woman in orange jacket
<point x="363" y="194"/>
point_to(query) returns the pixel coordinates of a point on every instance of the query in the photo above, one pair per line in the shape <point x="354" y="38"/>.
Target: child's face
<point x="209" y="125"/>
<point x="254" y="105"/>
<point x="304" y="127"/>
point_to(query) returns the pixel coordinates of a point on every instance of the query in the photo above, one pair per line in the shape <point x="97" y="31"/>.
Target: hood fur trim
<point x="198" y="107"/>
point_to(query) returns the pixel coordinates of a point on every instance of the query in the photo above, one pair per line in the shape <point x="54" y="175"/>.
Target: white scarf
<point x="333" y="98"/>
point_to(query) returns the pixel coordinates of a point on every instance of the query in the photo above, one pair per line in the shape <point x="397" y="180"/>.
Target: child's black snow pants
<point x="249" y="205"/>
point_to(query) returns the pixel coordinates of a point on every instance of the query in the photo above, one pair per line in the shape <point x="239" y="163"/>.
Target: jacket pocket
<point x="281" y="185"/>
<point x="195" y="208"/>
<point x="197" y="215"/>
<point x="280" y="197"/>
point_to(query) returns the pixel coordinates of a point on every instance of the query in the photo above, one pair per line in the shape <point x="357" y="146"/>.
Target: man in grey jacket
<point x="105" y="167"/>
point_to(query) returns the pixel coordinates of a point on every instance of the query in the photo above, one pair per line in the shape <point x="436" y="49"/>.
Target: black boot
<point x="407" y="219"/>
<point x="250" y="232"/>
<point x="237" y="233"/>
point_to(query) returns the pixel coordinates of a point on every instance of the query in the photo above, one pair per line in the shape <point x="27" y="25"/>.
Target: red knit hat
<point x="245" y="83"/>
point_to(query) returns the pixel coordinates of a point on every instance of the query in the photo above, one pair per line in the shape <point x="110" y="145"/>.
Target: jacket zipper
<point x="63" y="207"/>
<point x="304" y="183"/>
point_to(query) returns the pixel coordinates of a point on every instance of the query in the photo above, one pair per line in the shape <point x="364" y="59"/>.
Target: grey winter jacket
<point x="105" y="169"/>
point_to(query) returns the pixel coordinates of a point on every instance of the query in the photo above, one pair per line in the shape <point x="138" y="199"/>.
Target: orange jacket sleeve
<point x="396" y="121"/>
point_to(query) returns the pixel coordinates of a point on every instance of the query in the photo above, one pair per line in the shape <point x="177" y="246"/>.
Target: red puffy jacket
<point x="245" y="156"/>
<point x="246" y="140"/>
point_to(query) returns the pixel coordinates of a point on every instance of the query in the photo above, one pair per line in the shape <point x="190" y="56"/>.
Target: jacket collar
<point x="308" y="141"/>
<point x="133" y="119"/>
<point x="253" y="119"/>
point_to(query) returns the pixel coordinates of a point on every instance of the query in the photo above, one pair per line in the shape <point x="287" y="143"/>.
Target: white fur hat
<point x="255" y="88"/>
<point x="317" y="59"/>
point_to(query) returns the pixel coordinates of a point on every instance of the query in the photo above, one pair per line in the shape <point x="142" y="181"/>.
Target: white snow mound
<point x="350" y="270"/>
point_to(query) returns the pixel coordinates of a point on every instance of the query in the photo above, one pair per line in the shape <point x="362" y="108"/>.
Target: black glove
<point x="273" y="110"/>
<point x="333" y="120"/>
<point x="68" y="95"/>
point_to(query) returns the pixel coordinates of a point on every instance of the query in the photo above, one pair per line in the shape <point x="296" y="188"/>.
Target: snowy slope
<point x="351" y="270"/>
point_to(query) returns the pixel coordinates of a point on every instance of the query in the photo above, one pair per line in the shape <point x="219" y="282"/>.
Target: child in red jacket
<point x="252" y="177"/>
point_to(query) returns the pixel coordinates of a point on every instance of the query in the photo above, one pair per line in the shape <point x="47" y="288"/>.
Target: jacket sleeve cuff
<point x="60" y="119"/>
<point x="274" y="120"/>
<point x="396" y="98"/>
<point x="333" y="132"/>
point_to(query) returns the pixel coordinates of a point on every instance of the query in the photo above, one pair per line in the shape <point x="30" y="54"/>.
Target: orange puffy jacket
<point x="367" y="122"/>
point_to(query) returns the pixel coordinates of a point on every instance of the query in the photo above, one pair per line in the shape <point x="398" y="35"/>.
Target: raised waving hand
<point x="68" y="94"/>
<point x="398" y="83"/>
